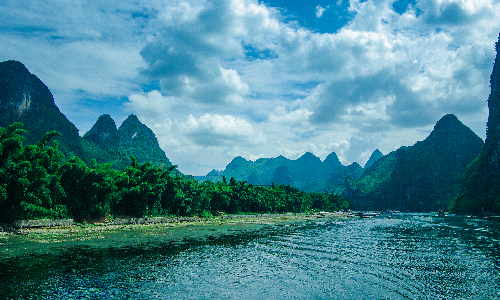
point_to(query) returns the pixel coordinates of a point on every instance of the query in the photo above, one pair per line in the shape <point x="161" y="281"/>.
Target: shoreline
<point x="133" y="224"/>
<point x="180" y="231"/>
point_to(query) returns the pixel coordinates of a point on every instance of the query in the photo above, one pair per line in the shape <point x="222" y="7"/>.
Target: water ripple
<point x="407" y="257"/>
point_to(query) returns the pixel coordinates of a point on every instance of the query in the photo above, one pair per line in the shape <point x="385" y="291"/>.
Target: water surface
<point x="406" y="257"/>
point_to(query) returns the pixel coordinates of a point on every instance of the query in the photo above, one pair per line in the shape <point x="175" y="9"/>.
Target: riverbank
<point x="130" y="232"/>
<point x="155" y="223"/>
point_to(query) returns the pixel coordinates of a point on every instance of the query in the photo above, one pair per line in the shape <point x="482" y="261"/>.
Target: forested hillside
<point x="36" y="182"/>
<point x="107" y="144"/>
<point x="424" y="177"/>
<point x="25" y="98"/>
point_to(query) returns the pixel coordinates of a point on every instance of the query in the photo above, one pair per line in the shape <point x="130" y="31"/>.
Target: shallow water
<point x="406" y="257"/>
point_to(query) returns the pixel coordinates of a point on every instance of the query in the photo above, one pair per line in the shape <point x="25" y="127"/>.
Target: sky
<point x="217" y="79"/>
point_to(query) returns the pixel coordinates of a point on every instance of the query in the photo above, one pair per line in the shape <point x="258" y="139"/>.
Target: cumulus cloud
<point x="151" y="106"/>
<point x="389" y="70"/>
<point x="298" y="117"/>
<point x="188" y="52"/>
<point x="217" y="130"/>
<point x="238" y="77"/>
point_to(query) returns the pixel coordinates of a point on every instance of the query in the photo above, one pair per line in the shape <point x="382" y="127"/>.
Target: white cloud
<point x="151" y="106"/>
<point x="320" y="10"/>
<point x="236" y="79"/>
<point x="216" y="130"/>
<point x="298" y="117"/>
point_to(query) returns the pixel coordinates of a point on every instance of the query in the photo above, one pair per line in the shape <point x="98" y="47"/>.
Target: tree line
<point x="36" y="181"/>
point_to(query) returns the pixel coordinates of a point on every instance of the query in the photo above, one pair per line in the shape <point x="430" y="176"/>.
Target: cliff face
<point x="423" y="177"/>
<point x="25" y="98"/>
<point x="481" y="183"/>
<point x="493" y="131"/>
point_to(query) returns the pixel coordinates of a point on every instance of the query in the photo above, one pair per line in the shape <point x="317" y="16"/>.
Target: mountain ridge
<point x="307" y="172"/>
<point x="25" y="98"/>
<point x="423" y="177"/>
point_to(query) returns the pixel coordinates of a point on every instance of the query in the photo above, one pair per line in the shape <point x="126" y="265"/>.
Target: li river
<point x="411" y="256"/>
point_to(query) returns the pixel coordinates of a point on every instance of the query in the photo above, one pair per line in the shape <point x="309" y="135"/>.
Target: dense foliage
<point x="480" y="187"/>
<point x="36" y="182"/>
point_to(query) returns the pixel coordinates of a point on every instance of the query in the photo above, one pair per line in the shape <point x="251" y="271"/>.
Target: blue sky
<point x="218" y="79"/>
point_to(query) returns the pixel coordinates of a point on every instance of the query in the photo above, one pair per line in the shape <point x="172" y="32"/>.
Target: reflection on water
<point x="407" y="257"/>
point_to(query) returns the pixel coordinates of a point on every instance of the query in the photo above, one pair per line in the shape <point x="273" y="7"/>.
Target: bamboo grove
<point x="36" y="181"/>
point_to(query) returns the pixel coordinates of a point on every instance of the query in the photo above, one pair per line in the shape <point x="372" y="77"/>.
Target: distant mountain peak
<point x="332" y="161"/>
<point x="132" y="119"/>
<point x="104" y="132"/>
<point x="133" y="130"/>
<point x="376" y="155"/>
<point x="213" y="173"/>
<point x="448" y="129"/>
<point x="449" y="120"/>
<point x="309" y="157"/>
<point x="236" y="163"/>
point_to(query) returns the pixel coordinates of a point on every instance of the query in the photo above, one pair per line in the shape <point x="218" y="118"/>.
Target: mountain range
<point x="422" y="177"/>
<point x="425" y="176"/>
<point x="307" y="173"/>
<point x="25" y="98"/>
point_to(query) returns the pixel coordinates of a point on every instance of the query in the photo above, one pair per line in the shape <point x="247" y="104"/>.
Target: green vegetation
<point x="307" y="173"/>
<point x="480" y="187"/>
<point x="107" y="144"/>
<point x="424" y="177"/>
<point x="480" y="192"/>
<point x="37" y="182"/>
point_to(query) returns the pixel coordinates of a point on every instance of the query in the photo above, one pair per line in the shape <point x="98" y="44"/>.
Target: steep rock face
<point x="104" y="132"/>
<point x="25" y="98"/>
<point x="425" y="176"/>
<point x="373" y="158"/>
<point x="481" y="183"/>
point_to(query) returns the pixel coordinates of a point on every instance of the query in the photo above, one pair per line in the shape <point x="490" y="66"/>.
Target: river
<point x="411" y="256"/>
